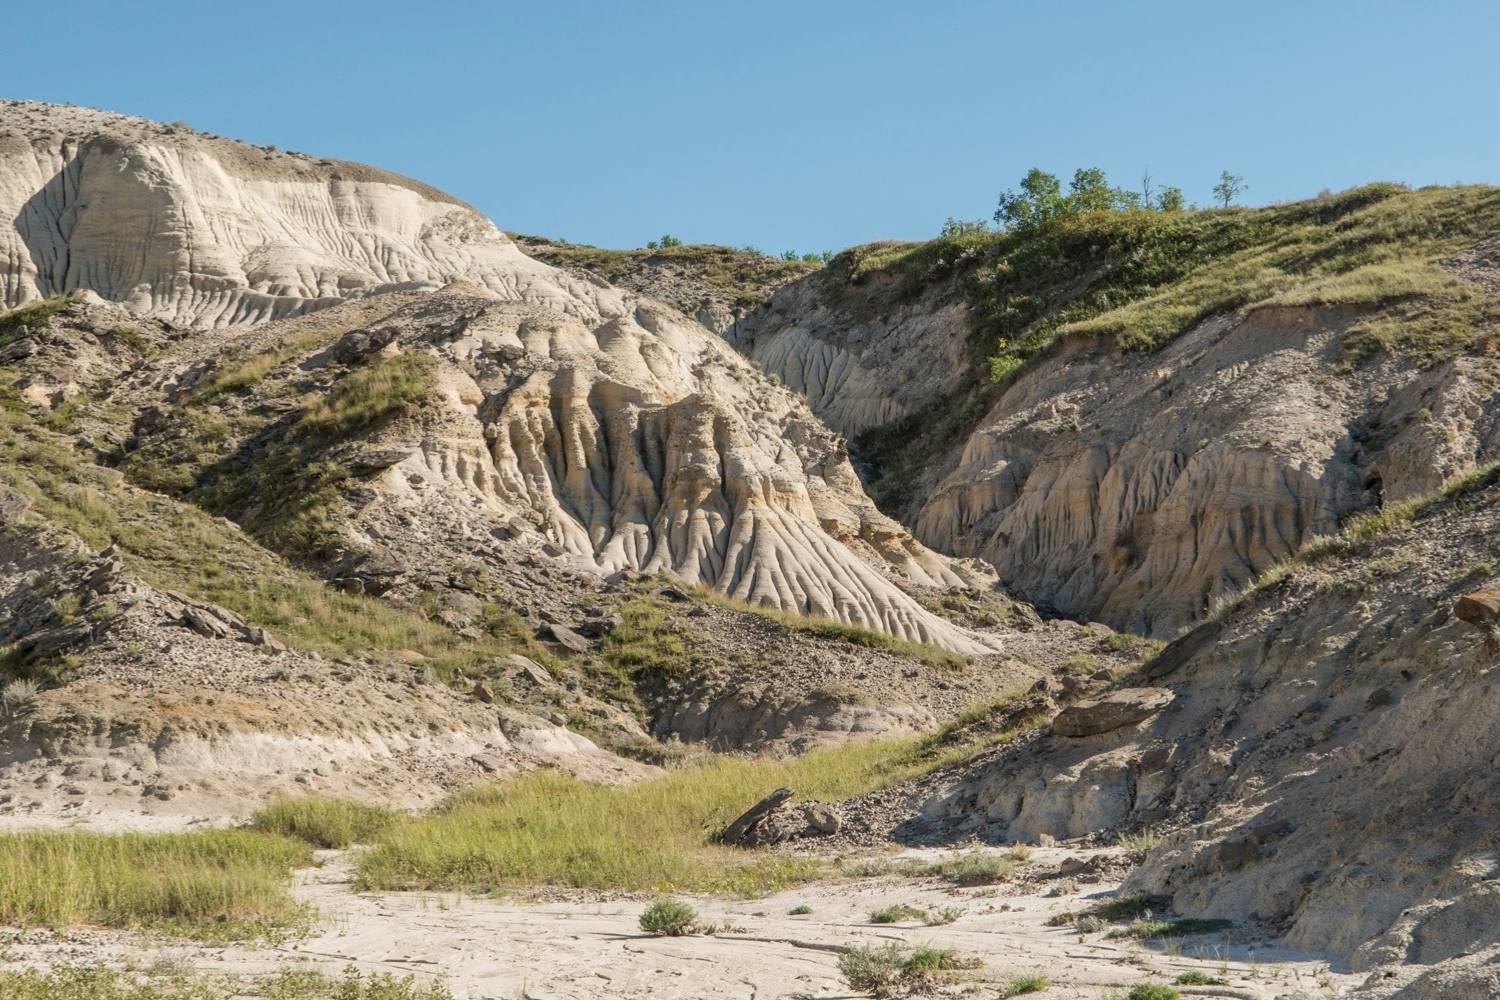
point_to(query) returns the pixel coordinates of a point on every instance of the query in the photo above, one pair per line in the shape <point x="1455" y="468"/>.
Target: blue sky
<point x="798" y="125"/>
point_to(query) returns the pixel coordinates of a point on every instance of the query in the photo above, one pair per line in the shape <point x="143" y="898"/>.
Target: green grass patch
<point x="1147" y="928"/>
<point x="896" y="913"/>
<point x="977" y="867"/>
<point x="656" y="835"/>
<point x="32" y="318"/>
<point x="325" y="821"/>
<point x="176" y="546"/>
<point x="94" y="982"/>
<point x="1196" y="978"/>
<point x="240" y="370"/>
<point x="227" y="884"/>
<point x="1022" y="985"/>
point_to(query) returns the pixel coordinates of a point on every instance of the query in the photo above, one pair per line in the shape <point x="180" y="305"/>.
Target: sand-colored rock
<point x="1110" y="711"/>
<point x="1132" y="489"/>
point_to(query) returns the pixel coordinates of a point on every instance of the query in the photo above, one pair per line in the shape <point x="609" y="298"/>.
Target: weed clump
<point x="669" y="918"/>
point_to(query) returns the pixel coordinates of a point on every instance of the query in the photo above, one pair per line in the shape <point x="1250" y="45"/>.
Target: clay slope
<point x="155" y="703"/>
<point x="1320" y="757"/>
<point x="622" y="434"/>
<point x="206" y="231"/>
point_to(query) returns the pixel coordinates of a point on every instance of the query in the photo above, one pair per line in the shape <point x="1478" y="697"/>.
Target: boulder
<point x="821" y="818"/>
<point x="1180" y="651"/>
<point x="1111" y="711"/>
<point x="531" y="670"/>
<point x="742" y="830"/>
<point x="1480" y="607"/>
<point x="564" y="637"/>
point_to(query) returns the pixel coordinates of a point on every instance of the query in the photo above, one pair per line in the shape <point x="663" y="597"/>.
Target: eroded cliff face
<point x="1135" y="489"/>
<point x="1322" y="764"/>
<point x="623" y="434"/>
<point x="208" y="232"/>
<point x="646" y="444"/>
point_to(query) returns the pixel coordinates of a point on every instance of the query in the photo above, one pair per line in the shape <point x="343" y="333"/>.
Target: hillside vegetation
<point x="1141" y="277"/>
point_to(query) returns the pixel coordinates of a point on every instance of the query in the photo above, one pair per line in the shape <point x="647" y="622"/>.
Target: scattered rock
<point x="564" y="637"/>
<point x="1111" y="711"/>
<point x="531" y="670"/>
<point x="741" y="831"/>
<point x="821" y="818"/>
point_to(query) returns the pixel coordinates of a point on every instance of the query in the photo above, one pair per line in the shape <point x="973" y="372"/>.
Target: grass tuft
<point x="323" y="820"/>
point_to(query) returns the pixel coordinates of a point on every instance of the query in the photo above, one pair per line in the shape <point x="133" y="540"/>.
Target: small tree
<point x="1230" y="187"/>
<point x="1169" y="199"/>
<point x="667" y="242"/>
<point x="964" y="227"/>
<point x="1039" y="199"/>
<point x="1090" y="192"/>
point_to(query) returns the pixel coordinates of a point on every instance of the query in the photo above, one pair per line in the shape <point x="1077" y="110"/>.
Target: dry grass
<point x="657" y="835"/>
<point x="324" y="820"/>
<point x="225" y="884"/>
<point x="92" y="982"/>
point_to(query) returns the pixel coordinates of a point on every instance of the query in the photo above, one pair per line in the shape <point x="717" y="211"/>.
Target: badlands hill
<point x="1183" y="400"/>
<point x="301" y="411"/>
<point x="313" y="479"/>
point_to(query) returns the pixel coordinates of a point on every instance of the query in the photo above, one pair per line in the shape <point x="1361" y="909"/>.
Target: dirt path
<point x="507" y="950"/>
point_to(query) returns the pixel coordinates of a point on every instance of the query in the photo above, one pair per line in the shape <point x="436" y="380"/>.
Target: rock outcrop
<point x="1134" y="489"/>
<point x="1325" y="768"/>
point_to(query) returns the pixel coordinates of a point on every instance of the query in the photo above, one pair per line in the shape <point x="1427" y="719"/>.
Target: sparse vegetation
<point x="669" y="918"/>
<point x="1145" y="928"/>
<point x="978" y="867"/>
<point x="175" y="546"/>
<point x="896" y="913"/>
<point x="1362" y="530"/>
<point x="227" y="884"/>
<point x="323" y="820"/>
<point x="1141" y="840"/>
<point x="892" y="969"/>
<point x="1022" y="985"/>
<point x="1151" y="991"/>
<point x="1196" y="978"/>
<point x="17" y="696"/>
<point x="32" y="318"/>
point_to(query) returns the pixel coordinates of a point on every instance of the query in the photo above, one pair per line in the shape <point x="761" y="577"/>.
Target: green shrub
<point x="323" y="820"/>
<point x="895" y="913"/>
<point x="800" y="910"/>
<point x="1152" y="991"/>
<point x="1021" y="985"/>
<point x="17" y="697"/>
<point x="670" y="918"/>
<point x="872" y="970"/>
<point x="980" y="867"/>
<point x="1196" y="978"/>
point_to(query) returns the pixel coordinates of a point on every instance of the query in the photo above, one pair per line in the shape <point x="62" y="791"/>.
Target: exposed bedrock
<point x="1325" y="766"/>
<point x="646" y="444"/>
<point x="208" y="232"/>
<point x="1138" y="489"/>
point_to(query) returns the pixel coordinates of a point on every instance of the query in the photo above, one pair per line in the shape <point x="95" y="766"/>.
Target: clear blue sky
<point x="807" y="125"/>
